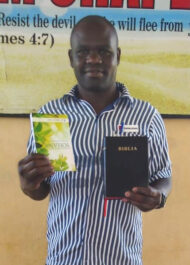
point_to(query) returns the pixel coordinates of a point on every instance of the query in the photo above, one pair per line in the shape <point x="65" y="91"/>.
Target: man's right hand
<point x="33" y="169"/>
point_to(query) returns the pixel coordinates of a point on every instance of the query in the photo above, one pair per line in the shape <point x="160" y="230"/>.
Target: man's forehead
<point x="94" y="33"/>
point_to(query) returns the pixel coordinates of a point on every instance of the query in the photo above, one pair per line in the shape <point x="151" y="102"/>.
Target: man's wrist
<point x="163" y="199"/>
<point x="38" y="194"/>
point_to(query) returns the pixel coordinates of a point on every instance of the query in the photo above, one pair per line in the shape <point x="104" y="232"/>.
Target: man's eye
<point x="82" y="52"/>
<point x="104" y="52"/>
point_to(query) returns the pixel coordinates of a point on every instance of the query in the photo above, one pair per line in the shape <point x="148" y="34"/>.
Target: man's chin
<point x="96" y="88"/>
<point x="93" y="85"/>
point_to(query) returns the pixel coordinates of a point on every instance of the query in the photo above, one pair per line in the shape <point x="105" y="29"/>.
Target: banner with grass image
<point x="154" y="36"/>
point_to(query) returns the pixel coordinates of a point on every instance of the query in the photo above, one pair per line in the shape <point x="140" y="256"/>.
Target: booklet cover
<point x="126" y="164"/>
<point x="52" y="138"/>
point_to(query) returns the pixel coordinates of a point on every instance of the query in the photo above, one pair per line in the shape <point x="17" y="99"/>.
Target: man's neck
<point x="99" y="100"/>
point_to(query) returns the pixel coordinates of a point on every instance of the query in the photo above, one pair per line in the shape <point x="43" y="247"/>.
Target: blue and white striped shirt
<point x="78" y="234"/>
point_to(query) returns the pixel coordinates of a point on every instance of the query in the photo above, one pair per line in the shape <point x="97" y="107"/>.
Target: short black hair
<point x="93" y="18"/>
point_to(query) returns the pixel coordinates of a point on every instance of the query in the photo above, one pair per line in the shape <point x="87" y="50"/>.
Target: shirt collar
<point x="123" y="91"/>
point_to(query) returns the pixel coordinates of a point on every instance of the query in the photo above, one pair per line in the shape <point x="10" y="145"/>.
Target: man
<point x="77" y="231"/>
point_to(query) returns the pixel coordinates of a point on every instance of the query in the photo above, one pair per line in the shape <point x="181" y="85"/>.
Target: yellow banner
<point x="154" y="37"/>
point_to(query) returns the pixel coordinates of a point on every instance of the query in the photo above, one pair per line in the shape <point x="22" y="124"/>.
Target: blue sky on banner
<point x="47" y="9"/>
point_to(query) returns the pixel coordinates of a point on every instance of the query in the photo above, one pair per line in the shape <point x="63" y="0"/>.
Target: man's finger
<point x="137" y="197"/>
<point x="32" y="157"/>
<point x="147" y="191"/>
<point x="39" y="173"/>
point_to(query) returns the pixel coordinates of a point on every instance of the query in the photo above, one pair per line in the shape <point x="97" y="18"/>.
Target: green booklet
<point x="52" y="138"/>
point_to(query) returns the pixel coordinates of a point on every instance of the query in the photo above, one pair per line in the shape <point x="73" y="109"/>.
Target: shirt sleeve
<point x="159" y="160"/>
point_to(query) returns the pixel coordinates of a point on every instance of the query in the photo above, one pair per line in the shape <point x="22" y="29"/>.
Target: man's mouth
<point x="94" y="72"/>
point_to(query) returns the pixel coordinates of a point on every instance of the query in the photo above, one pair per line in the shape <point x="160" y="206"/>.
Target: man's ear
<point x="70" y="57"/>
<point x="118" y="55"/>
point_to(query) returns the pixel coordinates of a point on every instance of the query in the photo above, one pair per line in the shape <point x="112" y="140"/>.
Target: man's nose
<point x="93" y="57"/>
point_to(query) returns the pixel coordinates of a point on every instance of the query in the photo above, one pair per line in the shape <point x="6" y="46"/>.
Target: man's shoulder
<point x="58" y="105"/>
<point x="135" y="102"/>
<point x="143" y="105"/>
<point x="145" y="112"/>
<point x="53" y="106"/>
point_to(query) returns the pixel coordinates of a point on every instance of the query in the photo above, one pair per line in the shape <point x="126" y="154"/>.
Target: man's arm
<point x="149" y="198"/>
<point x="33" y="170"/>
<point x="163" y="185"/>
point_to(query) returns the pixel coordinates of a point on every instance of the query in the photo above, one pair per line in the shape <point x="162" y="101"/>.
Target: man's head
<point x="94" y="53"/>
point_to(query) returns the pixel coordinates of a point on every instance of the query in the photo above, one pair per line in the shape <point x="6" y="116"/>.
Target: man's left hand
<point x="145" y="198"/>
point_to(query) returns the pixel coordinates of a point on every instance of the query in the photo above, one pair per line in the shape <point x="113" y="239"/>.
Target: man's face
<point x="94" y="57"/>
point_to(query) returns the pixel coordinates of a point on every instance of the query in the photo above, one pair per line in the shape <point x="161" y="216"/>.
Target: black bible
<point x="126" y="164"/>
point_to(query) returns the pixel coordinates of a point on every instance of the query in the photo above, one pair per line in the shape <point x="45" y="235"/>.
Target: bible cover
<point x="126" y="164"/>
